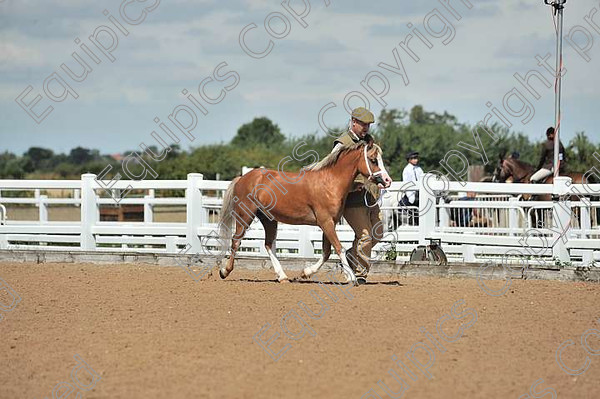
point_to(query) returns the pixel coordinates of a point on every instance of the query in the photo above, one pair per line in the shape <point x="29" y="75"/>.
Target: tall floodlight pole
<point x="558" y="6"/>
<point x="559" y="215"/>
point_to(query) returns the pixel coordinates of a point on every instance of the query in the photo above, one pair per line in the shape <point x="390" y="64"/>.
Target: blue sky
<point x="180" y="43"/>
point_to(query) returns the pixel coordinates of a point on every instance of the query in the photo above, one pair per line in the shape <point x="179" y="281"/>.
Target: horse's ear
<point x="369" y="140"/>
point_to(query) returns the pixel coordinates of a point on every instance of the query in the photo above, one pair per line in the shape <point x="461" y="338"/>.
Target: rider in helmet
<point x="359" y="216"/>
<point x="546" y="164"/>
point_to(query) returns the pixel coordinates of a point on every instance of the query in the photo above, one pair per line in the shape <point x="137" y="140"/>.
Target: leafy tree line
<point x="433" y="135"/>
<point x="43" y="163"/>
<point x="261" y="143"/>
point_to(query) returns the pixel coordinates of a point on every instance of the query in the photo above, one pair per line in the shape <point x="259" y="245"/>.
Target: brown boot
<point x="358" y="269"/>
<point x="349" y="260"/>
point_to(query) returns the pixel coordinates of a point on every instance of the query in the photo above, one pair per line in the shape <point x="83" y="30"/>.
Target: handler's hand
<point x="358" y="187"/>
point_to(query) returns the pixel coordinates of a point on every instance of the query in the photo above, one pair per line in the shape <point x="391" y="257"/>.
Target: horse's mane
<point x="335" y="155"/>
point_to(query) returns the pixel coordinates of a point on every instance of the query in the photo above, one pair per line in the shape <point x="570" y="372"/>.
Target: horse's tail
<point x="226" y="219"/>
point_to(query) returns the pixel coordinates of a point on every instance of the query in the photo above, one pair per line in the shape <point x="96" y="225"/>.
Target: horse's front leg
<point x="328" y="227"/>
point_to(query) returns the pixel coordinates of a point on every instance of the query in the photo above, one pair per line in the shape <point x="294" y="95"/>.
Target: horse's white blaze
<point x="386" y="177"/>
<point x="277" y="266"/>
<point x="367" y="162"/>
<point x="383" y="172"/>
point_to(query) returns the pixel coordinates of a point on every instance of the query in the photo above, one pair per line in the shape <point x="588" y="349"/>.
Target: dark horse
<point x="521" y="172"/>
<point x="311" y="197"/>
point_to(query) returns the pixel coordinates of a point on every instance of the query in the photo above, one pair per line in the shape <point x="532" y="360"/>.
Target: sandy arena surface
<point x="153" y="332"/>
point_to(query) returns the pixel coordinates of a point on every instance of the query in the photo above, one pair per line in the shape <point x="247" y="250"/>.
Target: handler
<point x="359" y="216"/>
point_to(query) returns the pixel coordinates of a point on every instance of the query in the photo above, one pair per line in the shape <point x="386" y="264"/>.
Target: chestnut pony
<point x="313" y="196"/>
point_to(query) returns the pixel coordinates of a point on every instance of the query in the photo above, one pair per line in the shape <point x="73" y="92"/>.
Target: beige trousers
<point x="362" y="219"/>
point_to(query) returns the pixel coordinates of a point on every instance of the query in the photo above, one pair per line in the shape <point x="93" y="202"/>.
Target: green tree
<point x="418" y="116"/>
<point x="580" y="153"/>
<point x="41" y="158"/>
<point x="80" y="155"/>
<point x="261" y="131"/>
<point x="15" y="168"/>
<point x="429" y="133"/>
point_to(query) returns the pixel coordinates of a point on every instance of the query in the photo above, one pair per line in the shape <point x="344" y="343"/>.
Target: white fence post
<point x="561" y="218"/>
<point x="3" y="237"/>
<point x="513" y="216"/>
<point x="468" y="253"/>
<point x="148" y="211"/>
<point x="194" y="210"/>
<point x="585" y="220"/>
<point x="444" y="215"/>
<point x="77" y="195"/>
<point x="148" y="208"/>
<point x="171" y="247"/>
<point x="427" y="209"/>
<point x="43" y="205"/>
<point x="586" y="225"/>
<point x="89" y="211"/>
<point x="305" y="247"/>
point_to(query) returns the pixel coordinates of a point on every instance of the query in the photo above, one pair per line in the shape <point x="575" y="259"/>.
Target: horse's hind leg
<point x="240" y="230"/>
<point x="270" y="237"/>
<point x="310" y="270"/>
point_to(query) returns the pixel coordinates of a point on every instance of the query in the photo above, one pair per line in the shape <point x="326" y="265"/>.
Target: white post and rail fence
<point x="475" y="221"/>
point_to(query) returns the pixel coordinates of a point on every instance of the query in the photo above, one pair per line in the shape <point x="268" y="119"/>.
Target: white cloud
<point x="14" y="56"/>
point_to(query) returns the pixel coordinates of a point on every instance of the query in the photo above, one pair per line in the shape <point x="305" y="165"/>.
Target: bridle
<point x="371" y="174"/>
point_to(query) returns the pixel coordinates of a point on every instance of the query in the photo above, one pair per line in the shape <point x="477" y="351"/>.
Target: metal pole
<point x="559" y="7"/>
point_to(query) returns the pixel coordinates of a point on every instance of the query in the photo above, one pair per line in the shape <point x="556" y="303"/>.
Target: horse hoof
<point x="222" y="274"/>
<point x="304" y="274"/>
<point x="284" y="280"/>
